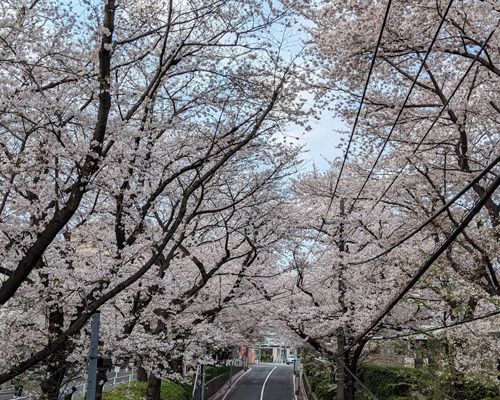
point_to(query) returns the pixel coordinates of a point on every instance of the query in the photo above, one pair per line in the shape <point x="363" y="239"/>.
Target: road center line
<point x="264" y="385"/>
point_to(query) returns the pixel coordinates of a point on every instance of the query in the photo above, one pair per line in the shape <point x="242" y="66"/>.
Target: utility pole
<point x="340" y="367"/>
<point x="202" y="381"/>
<point x="234" y="352"/>
<point x="93" y="356"/>
<point x="195" y="382"/>
<point x="231" y="372"/>
<point x="342" y="303"/>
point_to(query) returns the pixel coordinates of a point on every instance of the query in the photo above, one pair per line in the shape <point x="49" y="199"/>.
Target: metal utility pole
<point x="195" y="382"/>
<point x="342" y="302"/>
<point x="231" y="373"/>
<point x="202" y="382"/>
<point x="234" y="353"/>
<point x="93" y="355"/>
<point x="340" y="367"/>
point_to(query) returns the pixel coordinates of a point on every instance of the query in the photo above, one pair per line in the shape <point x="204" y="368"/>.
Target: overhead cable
<point x="400" y="112"/>
<point x="432" y="258"/>
<point x="441" y="327"/>
<point x="433" y="216"/>
<point x="445" y="105"/>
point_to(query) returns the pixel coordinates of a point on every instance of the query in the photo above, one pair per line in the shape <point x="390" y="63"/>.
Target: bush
<point x="212" y="371"/>
<point x="390" y="382"/>
<point x="469" y="389"/>
<point x="321" y="387"/>
<point x="137" y="391"/>
<point x="400" y="383"/>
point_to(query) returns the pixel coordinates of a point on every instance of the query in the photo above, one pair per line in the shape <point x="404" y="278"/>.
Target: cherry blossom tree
<point x="123" y="127"/>
<point x="410" y="153"/>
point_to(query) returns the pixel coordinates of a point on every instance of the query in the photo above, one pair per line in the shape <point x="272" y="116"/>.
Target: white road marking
<point x="264" y="385"/>
<point x="234" y="384"/>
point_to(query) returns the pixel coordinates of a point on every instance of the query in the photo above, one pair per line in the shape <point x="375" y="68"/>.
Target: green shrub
<point x="468" y="389"/>
<point x="137" y="391"/>
<point x="321" y="387"/>
<point x="400" y="383"/>
<point x="390" y="382"/>
<point x="211" y="371"/>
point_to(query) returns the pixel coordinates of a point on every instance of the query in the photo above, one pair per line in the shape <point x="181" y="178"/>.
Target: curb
<point x="224" y="390"/>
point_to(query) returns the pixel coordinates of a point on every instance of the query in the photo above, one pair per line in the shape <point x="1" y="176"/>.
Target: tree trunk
<point x="154" y="387"/>
<point x="176" y="364"/>
<point x="56" y="369"/>
<point x="142" y="375"/>
<point x="352" y="361"/>
<point x="56" y="364"/>
<point x="102" y="378"/>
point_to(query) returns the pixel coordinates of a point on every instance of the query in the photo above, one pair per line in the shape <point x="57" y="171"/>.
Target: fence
<point x="115" y="378"/>
<point x="306" y="387"/>
<point x="214" y="384"/>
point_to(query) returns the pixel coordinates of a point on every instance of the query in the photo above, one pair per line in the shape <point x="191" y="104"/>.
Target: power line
<point x="434" y="256"/>
<point x="414" y="82"/>
<point x="435" y="215"/>
<point x="372" y="64"/>
<point x="437" y="328"/>
<point x="439" y="114"/>
<point x="360" y="382"/>
<point x="363" y="386"/>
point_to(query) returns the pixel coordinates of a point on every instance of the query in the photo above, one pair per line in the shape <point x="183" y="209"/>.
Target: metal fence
<point x="214" y="384"/>
<point x="115" y="378"/>
<point x="306" y="387"/>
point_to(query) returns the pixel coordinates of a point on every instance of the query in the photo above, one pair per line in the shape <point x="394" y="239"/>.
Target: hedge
<point x="400" y="383"/>
<point x="137" y="391"/>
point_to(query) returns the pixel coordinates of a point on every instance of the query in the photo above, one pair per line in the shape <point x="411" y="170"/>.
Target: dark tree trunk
<point x="154" y="388"/>
<point x="176" y="364"/>
<point x="419" y="356"/>
<point x="352" y="361"/>
<point x="55" y="364"/>
<point x="54" y="375"/>
<point x="142" y="375"/>
<point x="102" y="378"/>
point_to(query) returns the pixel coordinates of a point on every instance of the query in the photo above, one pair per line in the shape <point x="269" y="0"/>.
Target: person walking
<point x="68" y="395"/>
<point x="18" y="387"/>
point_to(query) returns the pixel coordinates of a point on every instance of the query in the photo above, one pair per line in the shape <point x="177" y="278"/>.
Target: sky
<point x="320" y="144"/>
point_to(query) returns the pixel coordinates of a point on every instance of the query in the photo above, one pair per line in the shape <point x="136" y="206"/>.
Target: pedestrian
<point x="69" y="393"/>
<point x="18" y="387"/>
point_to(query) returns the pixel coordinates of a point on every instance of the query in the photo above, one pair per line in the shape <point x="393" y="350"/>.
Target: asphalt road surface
<point x="264" y="382"/>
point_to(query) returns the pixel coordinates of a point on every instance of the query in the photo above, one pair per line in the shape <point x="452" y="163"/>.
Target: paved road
<point x="264" y="382"/>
